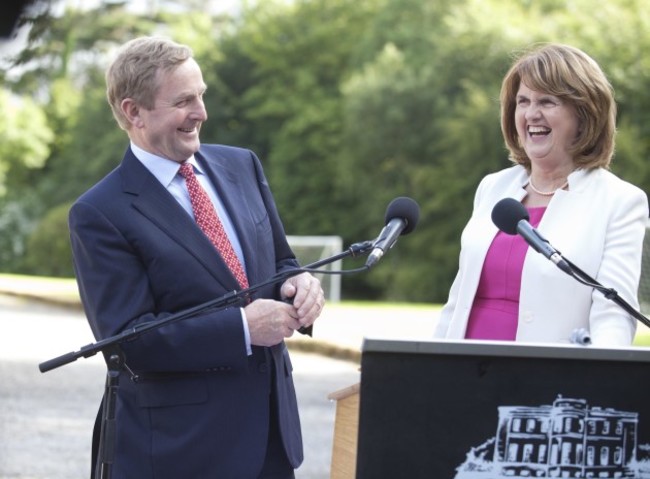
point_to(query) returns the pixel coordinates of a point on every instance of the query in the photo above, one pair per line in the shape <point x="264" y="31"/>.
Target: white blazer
<point x="598" y="224"/>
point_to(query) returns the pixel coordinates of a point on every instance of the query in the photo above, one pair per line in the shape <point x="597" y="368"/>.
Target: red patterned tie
<point x="207" y="219"/>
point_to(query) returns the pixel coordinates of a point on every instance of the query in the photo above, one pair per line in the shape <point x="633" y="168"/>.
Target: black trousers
<point x="276" y="464"/>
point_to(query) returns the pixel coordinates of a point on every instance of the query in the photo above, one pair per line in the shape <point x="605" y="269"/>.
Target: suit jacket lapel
<point x="228" y="189"/>
<point x="153" y="201"/>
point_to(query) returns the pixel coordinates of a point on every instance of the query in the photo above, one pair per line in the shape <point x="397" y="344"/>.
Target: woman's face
<point x="547" y="127"/>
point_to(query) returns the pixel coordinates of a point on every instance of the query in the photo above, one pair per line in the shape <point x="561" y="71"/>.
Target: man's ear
<point x="131" y="111"/>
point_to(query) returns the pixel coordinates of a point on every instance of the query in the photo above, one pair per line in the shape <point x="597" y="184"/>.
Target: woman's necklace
<point x="546" y="193"/>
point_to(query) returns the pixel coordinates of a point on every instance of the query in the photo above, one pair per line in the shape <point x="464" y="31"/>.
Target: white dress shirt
<point x="166" y="172"/>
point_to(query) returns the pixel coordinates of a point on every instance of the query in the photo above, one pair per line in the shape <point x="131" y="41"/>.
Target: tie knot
<point x="186" y="169"/>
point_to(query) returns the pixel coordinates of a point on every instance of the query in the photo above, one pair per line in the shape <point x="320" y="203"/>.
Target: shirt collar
<point x="163" y="169"/>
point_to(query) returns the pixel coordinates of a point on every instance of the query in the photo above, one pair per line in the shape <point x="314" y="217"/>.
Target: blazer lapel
<point x="229" y="191"/>
<point x="153" y="201"/>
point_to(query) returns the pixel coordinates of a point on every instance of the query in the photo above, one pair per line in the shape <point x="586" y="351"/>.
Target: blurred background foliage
<point x="349" y="104"/>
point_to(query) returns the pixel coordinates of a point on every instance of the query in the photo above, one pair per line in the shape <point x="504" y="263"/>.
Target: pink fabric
<point x="207" y="219"/>
<point x="495" y="310"/>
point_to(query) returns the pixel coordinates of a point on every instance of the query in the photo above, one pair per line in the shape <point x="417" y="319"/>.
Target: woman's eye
<point x="550" y="102"/>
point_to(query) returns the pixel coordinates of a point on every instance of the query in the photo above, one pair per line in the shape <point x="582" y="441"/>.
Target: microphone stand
<point x="609" y="293"/>
<point x="116" y="360"/>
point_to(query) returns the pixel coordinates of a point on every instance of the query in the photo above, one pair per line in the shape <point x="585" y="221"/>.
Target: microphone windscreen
<point x="507" y="214"/>
<point x="406" y="209"/>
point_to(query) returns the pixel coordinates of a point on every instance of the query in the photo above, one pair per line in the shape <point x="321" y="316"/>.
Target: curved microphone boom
<point x="401" y="218"/>
<point x="511" y="217"/>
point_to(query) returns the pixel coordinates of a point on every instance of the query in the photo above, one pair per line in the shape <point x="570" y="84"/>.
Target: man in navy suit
<point x="211" y="396"/>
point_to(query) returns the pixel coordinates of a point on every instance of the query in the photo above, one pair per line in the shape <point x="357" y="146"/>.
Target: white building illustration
<point x="567" y="439"/>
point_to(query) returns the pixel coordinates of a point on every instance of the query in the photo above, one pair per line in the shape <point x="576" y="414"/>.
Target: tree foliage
<point x="349" y="104"/>
<point x="24" y="138"/>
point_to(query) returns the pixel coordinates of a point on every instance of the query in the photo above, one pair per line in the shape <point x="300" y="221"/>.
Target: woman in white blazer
<point x="558" y="120"/>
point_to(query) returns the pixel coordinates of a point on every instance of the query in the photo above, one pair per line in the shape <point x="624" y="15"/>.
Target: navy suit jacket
<point x="200" y="405"/>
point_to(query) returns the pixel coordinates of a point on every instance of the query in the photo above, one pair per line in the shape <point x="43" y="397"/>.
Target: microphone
<point x="511" y="217"/>
<point x="401" y="217"/>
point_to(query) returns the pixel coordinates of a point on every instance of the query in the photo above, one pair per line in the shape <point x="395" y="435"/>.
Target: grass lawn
<point x="642" y="337"/>
<point x="61" y="290"/>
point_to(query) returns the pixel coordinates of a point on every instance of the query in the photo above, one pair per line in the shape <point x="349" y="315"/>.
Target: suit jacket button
<point x="262" y="368"/>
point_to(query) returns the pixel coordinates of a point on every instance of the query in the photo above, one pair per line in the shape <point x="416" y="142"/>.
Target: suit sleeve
<point x="119" y="294"/>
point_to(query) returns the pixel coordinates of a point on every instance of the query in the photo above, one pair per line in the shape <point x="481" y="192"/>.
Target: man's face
<point x="171" y="128"/>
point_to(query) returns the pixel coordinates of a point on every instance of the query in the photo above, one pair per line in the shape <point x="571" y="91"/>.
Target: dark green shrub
<point x="48" y="250"/>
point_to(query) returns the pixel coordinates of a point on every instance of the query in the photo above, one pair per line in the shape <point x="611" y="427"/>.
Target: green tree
<point x="24" y="138"/>
<point x="59" y="67"/>
<point x="289" y="62"/>
<point x="421" y="122"/>
<point x="422" y="115"/>
<point x="348" y="103"/>
<point x="48" y="246"/>
<point x="71" y="44"/>
<point x="24" y="148"/>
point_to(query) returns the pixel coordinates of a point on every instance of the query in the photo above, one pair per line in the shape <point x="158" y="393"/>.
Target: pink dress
<point x="495" y="310"/>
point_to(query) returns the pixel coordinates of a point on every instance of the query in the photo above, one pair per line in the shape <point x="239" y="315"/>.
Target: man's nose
<point x="199" y="112"/>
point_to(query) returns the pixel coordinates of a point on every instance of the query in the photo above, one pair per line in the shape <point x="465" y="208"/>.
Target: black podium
<point x="474" y="410"/>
